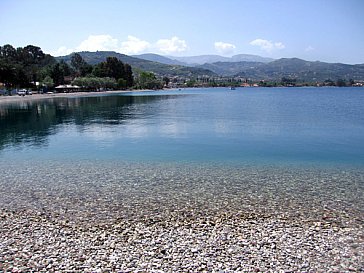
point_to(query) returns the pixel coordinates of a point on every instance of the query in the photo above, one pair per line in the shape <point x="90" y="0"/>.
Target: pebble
<point x="180" y="219"/>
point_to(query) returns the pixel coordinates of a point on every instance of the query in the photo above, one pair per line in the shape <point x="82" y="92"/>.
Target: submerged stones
<point x="114" y="217"/>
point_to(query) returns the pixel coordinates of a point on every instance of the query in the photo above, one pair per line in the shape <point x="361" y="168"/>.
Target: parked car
<point x="29" y="92"/>
<point x="22" y="92"/>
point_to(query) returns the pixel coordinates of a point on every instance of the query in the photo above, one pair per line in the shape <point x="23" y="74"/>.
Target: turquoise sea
<point x="289" y="150"/>
<point x="246" y="126"/>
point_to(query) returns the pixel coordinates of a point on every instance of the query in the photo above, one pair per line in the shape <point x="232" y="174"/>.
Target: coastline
<point x="17" y="98"/>
<point x="67" y="214"/>
<point x="34" y="97"/>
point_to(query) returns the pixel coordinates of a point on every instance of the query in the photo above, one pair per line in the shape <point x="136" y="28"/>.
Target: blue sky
<point x="324" y="30"/>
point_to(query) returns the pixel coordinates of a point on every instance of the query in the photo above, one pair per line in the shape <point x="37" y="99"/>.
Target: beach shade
<point x="67" y="88"/>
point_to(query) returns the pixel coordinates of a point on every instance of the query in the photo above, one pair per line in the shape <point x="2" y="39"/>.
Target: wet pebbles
<point x="124" y="217"/>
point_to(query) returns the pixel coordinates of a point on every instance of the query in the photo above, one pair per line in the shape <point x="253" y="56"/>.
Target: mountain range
<point x="305" y="71"/>
<point x="293" y="68"/>
<point x="243" y="65"/>
<point x="202" y="59"/>
<point x="161" y="69"/>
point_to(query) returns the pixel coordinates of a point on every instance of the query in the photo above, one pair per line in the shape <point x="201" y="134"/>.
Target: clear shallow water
<point x="291" y="151"/>
<point x="300" y="126"/>
<point x="107" y="191"/>
<point x="251" y="165"/>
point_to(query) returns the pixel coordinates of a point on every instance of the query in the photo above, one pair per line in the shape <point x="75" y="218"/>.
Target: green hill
<point x="159" y="59"/>
<point x="141" y="64"/>
<point x="304" y="70"/>
<point x="230" y="68"/>
<point x="293" y="68"/>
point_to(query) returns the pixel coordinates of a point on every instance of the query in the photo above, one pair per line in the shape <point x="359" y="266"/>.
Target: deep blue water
<point x="246" y="126"/>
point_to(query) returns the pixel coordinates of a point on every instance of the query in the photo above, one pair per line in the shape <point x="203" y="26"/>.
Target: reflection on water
<point x="31" y="122"/>
<point x="104" y="165"/>
<point x="279" y="125"/>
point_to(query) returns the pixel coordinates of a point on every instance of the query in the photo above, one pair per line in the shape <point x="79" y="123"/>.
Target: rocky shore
<point x="179" y="219"/>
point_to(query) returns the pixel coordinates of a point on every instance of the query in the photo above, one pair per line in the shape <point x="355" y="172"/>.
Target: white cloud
<point x="134" y="45"/>
<point x="173" y="45"/>
<point x="309" y="48"/>
<point x="279" y="45"/>
<point x="266" y="45"/>
<point x="224" y="48"/>
<point x="98" y="42"/>
<point x="62" y="51"/>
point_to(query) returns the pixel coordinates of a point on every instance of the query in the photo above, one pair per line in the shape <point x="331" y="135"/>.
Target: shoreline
<point x="87" y="213"/>
<point x="34" y="97"/>
<point x="134" y="218"/>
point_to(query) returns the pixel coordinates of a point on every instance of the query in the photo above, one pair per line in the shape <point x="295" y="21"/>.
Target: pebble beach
<point x="133" y="217"/>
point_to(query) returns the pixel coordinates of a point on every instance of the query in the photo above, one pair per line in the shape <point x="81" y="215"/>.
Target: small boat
<point x="232" y="88"/>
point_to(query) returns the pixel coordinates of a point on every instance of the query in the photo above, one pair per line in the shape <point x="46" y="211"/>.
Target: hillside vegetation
<point x="157" y="68"/>
<point x="31" y="68"/>
<point x="269" y="70"/>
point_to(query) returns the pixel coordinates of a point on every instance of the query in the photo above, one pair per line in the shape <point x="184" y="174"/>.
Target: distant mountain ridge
<point x="202" y="59"/>
<point x="159" y="58"/>
<point x="302" y="70"/>
<point x="141" y="64"/>
<point x="275" y="70"/>
<point x="229" y="69"/>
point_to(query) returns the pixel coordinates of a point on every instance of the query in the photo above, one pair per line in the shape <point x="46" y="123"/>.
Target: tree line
<point x="30" y="67"/>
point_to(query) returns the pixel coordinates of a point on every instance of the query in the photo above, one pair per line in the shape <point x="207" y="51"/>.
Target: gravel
<point x="132" y="217"/>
